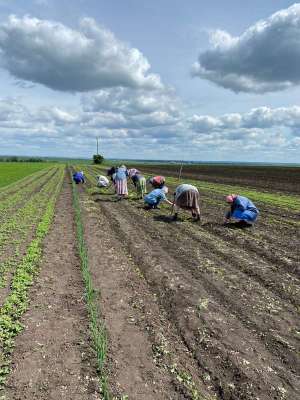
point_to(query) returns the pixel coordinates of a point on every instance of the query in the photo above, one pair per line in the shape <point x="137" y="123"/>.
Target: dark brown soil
<point x="281" y="179"/>
<point x="192" y="310"/>
<point x="135" y="323"/>
<point x="230" y="296"/>
<point x="53" y="359"/>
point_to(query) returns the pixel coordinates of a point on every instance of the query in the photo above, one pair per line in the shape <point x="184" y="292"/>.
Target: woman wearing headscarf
<point x="241" y="209"/>
<point x="120" y="180"/>
<point x="102" y="181"/>
<point x="154" y="198"/>
<point x="132" y="172"/>
<point x="187" y="197"/>
<point x="157" y="182"/>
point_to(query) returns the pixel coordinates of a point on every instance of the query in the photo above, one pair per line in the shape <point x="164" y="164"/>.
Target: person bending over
<point x="154" y="198"/>
<point x="139" y="182"/>
<point x="187" y="198"/>
<point x="132" y="172"/>
<point x="242" y="209"/>
<point x="158" y="182"/>
<point x="102" y="181"/>
<point x="78" y="177"/>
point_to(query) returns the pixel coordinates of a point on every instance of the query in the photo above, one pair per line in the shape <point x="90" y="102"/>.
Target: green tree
<point x="98" y="159"/>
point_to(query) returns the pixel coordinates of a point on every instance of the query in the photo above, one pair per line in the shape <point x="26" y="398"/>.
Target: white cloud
<point x="265" y="58"/>
<point x="132" y="108"/>
<point x="65" y="59"/>
<point x="131" y="101"/>
<point x="154" y="134"/>
<point x="262" y="117"/>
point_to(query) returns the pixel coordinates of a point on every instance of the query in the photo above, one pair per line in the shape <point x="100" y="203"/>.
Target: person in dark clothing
<point x="110" y="172"/>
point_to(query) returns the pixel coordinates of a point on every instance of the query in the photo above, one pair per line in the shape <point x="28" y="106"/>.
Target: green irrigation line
<point x="97" y="328"/>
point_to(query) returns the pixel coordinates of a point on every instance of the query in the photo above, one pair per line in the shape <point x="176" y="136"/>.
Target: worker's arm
<point x="227" y="217"/>
<point x="169" y="202"/>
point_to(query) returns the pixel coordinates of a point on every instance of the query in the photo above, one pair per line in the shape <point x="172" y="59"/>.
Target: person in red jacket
<point x="158" y="182"/>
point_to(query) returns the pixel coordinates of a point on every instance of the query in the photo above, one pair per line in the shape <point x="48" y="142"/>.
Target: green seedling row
<point x="30" y="217"/>
<point x="18" y="300"/>
<point x="25" y="217"/>
<point x="21" y="184"/>
<point x="12" y="172"/>
<point x="11" y="201"/>
<point x="97" y="329"/>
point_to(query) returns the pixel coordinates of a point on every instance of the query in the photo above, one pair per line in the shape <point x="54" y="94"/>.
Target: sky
<point x="199" y="80"/>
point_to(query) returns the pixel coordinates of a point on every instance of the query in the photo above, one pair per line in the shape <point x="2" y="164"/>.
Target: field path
<point x="52" y="359"/>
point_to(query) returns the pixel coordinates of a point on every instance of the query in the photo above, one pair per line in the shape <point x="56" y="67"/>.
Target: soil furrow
<point x="271" y="178"/>
<point x="132" y="317"/>
<point x="190" y="292"/>
<point x="254" y="301"/>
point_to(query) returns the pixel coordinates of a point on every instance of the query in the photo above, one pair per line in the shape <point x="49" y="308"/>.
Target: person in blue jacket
<point x="78" y="177"/>
<point x="158" y="195"/>
<point x="241" y="209"/>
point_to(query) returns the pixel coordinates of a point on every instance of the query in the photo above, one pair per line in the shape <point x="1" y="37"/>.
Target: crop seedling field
<point x="12" y="172"/>
<point x="101" y="299"/>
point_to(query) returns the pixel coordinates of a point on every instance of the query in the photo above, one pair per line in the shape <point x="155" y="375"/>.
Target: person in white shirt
<point x="102" y="181"/>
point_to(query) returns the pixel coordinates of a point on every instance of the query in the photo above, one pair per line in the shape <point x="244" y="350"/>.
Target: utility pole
<point x="97" y="145"/>
<point x="180" y="172"/>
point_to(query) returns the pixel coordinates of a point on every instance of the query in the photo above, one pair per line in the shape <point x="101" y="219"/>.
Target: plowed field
<point x="229" y="297"/>
<point x="115" y="302"/>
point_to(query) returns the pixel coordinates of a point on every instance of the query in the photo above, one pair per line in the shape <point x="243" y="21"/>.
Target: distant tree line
<point x="19" y="159"/>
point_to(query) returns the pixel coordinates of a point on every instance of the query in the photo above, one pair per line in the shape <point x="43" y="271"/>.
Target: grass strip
<point x="97" y="329"/>
<point x="17" y="301"/>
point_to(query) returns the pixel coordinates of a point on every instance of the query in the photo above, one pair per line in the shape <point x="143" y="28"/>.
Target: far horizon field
<point x="112" y="161"/>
